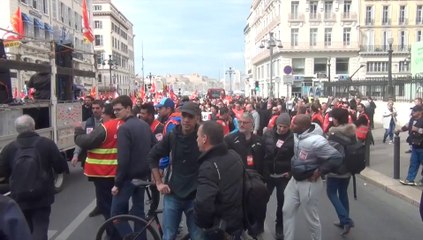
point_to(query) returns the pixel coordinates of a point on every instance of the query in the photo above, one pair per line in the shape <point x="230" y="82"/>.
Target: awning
<point x="38" y="23"/>
<point x="26" y="19"/>
<point x="48" y="28"/>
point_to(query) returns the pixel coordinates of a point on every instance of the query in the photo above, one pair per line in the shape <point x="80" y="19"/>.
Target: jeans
<point x="416" y="160"/>
<point x="120" y="205"/>
<point x="172" y="214"/>
<point x="38" y="220"/>
<point x="390" y="131"/>
<point x="337" y="191"/>
<point x="280" y="185"/>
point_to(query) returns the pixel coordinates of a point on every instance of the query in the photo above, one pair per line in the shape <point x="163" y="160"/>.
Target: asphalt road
<point x="377" y="214"/>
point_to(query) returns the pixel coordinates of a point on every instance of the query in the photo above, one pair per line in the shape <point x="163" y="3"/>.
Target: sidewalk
<point x="381" y="169"/>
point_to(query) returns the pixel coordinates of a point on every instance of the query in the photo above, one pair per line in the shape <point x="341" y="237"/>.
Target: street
<point x="377" y="214"/>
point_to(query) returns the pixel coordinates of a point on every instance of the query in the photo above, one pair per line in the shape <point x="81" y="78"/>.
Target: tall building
<point x="319" y="39"/>
<point x="114" y="48"/>
<point x="45" y="21"/>
<point x="382" y="22"/>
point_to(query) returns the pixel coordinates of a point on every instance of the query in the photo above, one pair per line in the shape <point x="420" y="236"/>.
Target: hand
<point x="285" y="175"/>
<point x="74" y="160"/>
<point x="115" y="190"/>
<point x="77" y="124"/>
<point x="315" y="176"/>
<point x="163" y="188"/>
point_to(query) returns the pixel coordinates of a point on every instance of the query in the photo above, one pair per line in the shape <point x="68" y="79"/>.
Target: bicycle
<point x="139" y="228"/>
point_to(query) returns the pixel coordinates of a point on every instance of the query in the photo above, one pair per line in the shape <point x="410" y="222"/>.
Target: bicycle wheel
<point x="127" y="227"/>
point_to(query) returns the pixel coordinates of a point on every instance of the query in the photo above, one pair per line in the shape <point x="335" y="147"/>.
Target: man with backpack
<point x="218" y="202"/>
<point x="29" y="163"/>
<point x="313" y="157"/>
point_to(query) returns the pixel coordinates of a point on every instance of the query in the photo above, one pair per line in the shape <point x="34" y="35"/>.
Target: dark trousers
<point x="280" y="185"/>
<point x="38" y="220"/>
<point x="421" y="206"/>
<point x="103" y="194"/>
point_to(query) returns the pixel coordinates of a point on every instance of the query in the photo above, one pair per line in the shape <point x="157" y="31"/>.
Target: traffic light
<point x="257" y="85"/>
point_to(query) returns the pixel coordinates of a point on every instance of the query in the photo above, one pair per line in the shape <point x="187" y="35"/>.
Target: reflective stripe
<point x="103" y="150"/>
<point x="101" y="161"/>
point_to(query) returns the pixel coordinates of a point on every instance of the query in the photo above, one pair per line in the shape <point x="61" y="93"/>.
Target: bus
<point x="216" y="93"/>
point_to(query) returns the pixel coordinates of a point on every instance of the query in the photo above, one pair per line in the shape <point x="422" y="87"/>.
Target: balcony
<point x="402" y="21"/>
<point x="402" y="48"/>
<point x="330" y="17"/>
<point x="386" y="21"/>
<point x="348" y="16"/>
<point x="315" y="17"/>
<point x="369" y="22"/>
<point x="295" y="17"/>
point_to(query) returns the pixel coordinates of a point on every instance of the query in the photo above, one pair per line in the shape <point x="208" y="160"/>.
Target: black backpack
<point x="28" y="180"/>
<point x="255" y="197"/>
<point x="355" y="157"/>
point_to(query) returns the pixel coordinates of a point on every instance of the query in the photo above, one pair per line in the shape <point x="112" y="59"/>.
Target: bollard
<point x="367" y="155"/>
<point x="396" y="156"/>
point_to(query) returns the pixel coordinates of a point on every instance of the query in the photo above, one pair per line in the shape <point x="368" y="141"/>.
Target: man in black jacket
<point x="180" y="183"/>
<point x="134" y="141"/>
<point x="218" y="203"/>
<point x="36" y="210"/>
<point x="12" y="221"/>
<point x="278" y="145"/>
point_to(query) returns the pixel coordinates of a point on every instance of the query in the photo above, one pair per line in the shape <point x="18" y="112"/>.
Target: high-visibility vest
<point x="102" y="161"/>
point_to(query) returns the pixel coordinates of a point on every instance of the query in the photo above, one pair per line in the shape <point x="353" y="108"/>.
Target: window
<point x="385" y="15"/>
<point x="328" y="36"/>
<point x="69" y="15"/>
<point x="369" y="15"/>
<point x="419" y="14"/>
<point x="341" y="66"/>
<point x="328" y="9"/>
<point x="294" y="10"/>
<point x="320" y="65"/>
<point x="419" y="36"/>
<point x="98" y="24"/>
<point x="298" y="66"/>
<point x="45" y="6"/>
<point x="403" y="66"/>
<point x="24" y="1"/>
<point x="347" y="9"/>
<point x="54" y="8"/>
<point x="402" y="41"/>
<point x="294" y="37"/>
<point x="313" y="36"/>
<point x="99" y="40"/>
<point x="347" y="36"/>
<point x="401" y="19"/>
<point x="377" y="67"/>
<point x="35" y="3"/>
<point x="313" y="10"/>
<point x="97" y="7"/>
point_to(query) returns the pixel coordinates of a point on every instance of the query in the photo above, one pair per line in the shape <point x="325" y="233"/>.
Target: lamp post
<point x="390" y="86"/>
<point x="230" y="72"/>
<point x="112" y="64"/>
<point x="329" y="89"/>
<point x="270" y="44"/>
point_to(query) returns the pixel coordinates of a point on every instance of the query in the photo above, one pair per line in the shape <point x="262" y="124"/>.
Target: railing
<point x="315" y="17"/>
<point x="386" y="21"/>
<point x="370" y="21"/>
<point x="295" y="17"/>
<point x="349" y="16"/>
<point x="384" y="48"/>
<point x="402" y="21"/>
<point x="330" y="16"/>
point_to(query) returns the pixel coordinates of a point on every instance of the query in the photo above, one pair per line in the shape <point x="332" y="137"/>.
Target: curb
<point x="393" y="186"/>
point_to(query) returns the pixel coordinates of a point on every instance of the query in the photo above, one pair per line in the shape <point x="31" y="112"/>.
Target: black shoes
<point x="408" y="151"/>
<point x="94" y="212"/>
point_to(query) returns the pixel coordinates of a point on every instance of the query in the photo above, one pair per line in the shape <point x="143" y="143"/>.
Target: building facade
<point x="328" y="40"/>
<point x="45" y="21"/>
<point x="114" y="48"/>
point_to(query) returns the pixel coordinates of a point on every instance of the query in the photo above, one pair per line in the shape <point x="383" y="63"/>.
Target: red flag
<point x="142" y="93"/>
<point x="17" y="25"/>
<point x="31" y="93"/>
<point x="93" y="92"/>
<point x="172" y="94"/>
<point x="87" y="31"/>
<point x="153" y="88"/>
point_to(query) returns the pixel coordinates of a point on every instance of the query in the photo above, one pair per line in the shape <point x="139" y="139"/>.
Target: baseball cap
<point x="418" y="108"/>
<point x="165" y="102"/>
<point x="190" y="108"/>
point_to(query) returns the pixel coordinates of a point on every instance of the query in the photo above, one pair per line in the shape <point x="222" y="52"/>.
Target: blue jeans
<point x="120" y="205"/>
<point x="337" y="191"/>
<point x="390" y="131"/>
<point x="173" y="207"/>
<point x="416" y="160"/>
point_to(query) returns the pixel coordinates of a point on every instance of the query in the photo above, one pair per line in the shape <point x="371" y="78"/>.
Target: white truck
<point x="55" y="119"/>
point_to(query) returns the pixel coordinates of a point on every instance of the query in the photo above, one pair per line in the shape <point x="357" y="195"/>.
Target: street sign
<point x="288" y="79"/>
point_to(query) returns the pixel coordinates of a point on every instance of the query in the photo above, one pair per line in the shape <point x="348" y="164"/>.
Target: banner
<point x="87" y="31"/>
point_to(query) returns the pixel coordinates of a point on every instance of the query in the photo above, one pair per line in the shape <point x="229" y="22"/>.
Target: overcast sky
<point x="188" y="36"/>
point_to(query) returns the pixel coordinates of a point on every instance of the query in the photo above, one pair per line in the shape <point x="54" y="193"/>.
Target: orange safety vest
<point x="172" y="120"/>
<point x="154" y="125"/>
<point x="102" y="161"/>
<point x="225" y="126"/>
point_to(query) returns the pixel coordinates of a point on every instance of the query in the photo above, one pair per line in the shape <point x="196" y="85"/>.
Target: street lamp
<point x="230" y="72"/>
<point x="390" y="86"/>
<point x="270" y="44"/>
<point x="112" y="65"/>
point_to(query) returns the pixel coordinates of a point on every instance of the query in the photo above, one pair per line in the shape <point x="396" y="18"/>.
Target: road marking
<point x="51" y="234"/>
<point x="76" y="222"/>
